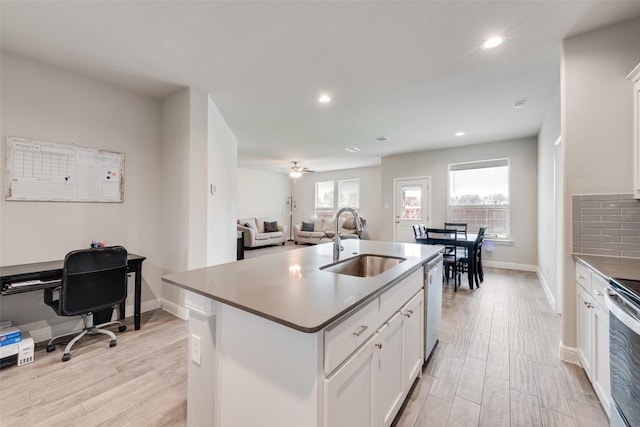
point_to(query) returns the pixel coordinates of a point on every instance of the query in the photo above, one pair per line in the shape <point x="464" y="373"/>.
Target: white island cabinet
<point x="307" y="348"/>
<point x="634" y="76"/>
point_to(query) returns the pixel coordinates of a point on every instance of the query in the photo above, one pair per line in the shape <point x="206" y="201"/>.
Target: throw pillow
<point x="251" y="226"/>
<point x="307" y="226"/>
<point x="271" y="226"/>
<point x="349" y="224"/>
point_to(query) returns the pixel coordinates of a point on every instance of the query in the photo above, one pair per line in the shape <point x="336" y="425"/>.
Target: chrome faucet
<point x="337" y="247"/>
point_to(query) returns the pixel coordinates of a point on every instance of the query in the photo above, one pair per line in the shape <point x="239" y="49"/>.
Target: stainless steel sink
<point x="364" y="265"/>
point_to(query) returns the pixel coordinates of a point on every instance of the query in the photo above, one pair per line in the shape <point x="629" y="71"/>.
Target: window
<point x="348" y="196"/>
<point x="479" y="196"/>
<point x="325" y="201"/>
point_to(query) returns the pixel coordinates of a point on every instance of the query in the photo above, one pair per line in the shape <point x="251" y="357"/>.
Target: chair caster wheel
<point x="66" y="357"/>
<point x="113" y="343"/>
<point x="50" y="348"/>
<point x="122" y="328"/>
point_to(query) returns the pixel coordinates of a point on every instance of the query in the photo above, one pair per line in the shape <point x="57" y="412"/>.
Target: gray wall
<point x="522" y="253"/>
<point x="303" y="190"/>
<point x="597" y="132"/>
<point x="263" y="194"/>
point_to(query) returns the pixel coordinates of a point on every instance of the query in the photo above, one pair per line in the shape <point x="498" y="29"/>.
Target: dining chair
<point x="416" y="230"/>
<point x="448" y="238"/>
<point x="472" y="262"/>
<point x="460" y="227"/>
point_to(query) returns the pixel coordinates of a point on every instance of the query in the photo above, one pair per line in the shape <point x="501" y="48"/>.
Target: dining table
<point x="469" y="243"/>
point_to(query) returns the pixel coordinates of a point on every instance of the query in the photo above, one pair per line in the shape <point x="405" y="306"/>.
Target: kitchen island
<point x="276" y="340"/>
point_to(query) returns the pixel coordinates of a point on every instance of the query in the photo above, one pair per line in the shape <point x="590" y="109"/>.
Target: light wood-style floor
<point x="496" y="364"/>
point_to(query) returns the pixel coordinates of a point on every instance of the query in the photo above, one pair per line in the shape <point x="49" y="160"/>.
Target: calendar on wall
<point x="50" y="171"/>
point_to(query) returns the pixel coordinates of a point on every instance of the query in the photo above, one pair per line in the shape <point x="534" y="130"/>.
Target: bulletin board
<point x="50" y="171"/>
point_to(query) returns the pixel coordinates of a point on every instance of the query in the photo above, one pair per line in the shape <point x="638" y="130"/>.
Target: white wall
<point x="547" y="235"/>
<point x="304" y="193"/>
<point x="523" y="190"/>
<point x="597" y="133"/>
<point x="263" y="194"/>
<point x="222" y="206"/>
<point x="50" y="104"/>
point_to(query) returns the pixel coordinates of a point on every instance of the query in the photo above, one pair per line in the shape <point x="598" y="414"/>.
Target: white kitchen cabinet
<point x="583" y="318"/>
<point x="397" y="354"/>
<point x="351" y="392"/>
<point x="389" y="342"/>
<point x="413" y="339"/>
<point x="634" y="76"/>
<point x="600" y="369"/>
<point x="593" y="331"/>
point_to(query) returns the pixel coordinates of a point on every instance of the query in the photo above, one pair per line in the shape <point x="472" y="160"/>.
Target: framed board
<point x="49" y="171"/>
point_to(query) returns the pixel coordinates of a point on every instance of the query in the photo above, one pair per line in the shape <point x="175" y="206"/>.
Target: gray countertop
<point x="608" y="267"/>
<point x="289" y="287"/>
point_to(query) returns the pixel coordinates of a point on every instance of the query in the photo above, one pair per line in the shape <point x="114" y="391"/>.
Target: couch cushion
<point x="315" y="234"/>
<point x="250" y="221"/>
<point x="276" y="234"/>
<point x="270" y="226"/>
<point x="347" y="231"/>
<point x="307" y="226"/>
<point x="329" y="225"/>
<point x="317" y="224"/>
<point x="330" y="233"/>
<point x="260" y="223"/>
<point x="262" y="236"/>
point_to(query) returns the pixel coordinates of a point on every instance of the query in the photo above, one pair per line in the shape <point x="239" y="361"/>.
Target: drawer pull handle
<point x="360" y="330"/>
<point x="409" y="313"/>
<point x="580" y="276"/>
<point x="379" y="345"/>
<point x="597" y="292"/>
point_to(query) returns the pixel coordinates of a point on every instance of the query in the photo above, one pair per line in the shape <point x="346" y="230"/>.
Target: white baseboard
<point x="509" y="265"/>
<point x="550" y="298"/>
<point x="175" y="309"/>
<point x="569" y="354"/>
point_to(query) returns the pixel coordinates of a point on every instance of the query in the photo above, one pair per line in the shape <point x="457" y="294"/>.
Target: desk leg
<point x="138" y="296"/>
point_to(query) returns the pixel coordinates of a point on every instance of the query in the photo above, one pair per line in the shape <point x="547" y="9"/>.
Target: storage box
<point x="10" y="335"/>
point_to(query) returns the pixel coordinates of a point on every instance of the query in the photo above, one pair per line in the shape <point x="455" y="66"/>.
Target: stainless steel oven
<point x="623" y="302"/>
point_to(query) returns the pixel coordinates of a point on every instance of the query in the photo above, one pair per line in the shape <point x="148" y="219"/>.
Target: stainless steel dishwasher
<point x="432" y="304"/>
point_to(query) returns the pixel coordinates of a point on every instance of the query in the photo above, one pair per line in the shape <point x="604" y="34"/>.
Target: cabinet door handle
<point x="580" y="276"/>
<point x="360" y="330"/>
<point x="597" y="292"/>
<point x="379" y="345"/>
<point x="409" y="313"/>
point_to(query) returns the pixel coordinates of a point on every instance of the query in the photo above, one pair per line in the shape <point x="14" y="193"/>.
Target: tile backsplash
<point x="607" y="224"/>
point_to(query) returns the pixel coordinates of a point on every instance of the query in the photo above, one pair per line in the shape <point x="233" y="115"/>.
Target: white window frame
<point x="340" y="184"/>
<point x="324" y="210"/>
<point x="479" y="164"/>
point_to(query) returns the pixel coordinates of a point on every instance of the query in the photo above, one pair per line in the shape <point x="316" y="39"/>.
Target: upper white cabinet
<point x="634" y="76"/>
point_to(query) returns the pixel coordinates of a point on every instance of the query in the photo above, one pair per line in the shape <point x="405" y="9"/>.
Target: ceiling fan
<point x="297" y="171"/>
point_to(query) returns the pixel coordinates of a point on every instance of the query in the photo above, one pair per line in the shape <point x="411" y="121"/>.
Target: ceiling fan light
<point x="295" y="174"/>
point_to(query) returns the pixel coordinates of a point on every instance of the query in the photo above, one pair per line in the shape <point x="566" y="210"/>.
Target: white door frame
<point x="427" y="222"/>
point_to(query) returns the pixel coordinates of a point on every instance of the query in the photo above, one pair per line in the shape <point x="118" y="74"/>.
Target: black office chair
<point x="92" y="280"/>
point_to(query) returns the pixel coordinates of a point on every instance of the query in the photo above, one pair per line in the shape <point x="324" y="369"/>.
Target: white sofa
<point x="256" y="236"/>
<point x="324" y="231"/>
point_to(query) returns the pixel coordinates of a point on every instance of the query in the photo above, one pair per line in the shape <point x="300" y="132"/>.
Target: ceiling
<point x="410" y="71"/>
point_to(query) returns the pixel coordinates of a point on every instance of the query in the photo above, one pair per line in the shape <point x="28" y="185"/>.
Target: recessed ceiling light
<point x="493" y="42"/>
<point x="460" y="133"/>
<point x="381" y="138"/>
<point x="353" y="149"/>
<point x="324" y="99"/>
<point x="519" y="104"/>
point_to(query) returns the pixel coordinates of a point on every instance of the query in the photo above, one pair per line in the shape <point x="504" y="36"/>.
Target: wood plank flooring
<point x="496" y="364"/>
